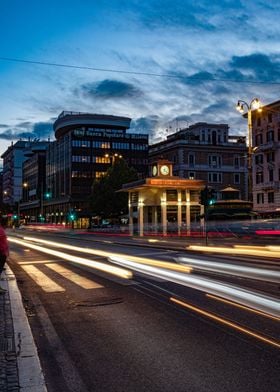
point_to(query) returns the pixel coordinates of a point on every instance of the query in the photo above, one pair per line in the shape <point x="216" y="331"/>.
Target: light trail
<point x="231" y="269"/>
<point x="226" y="322"/>
<point x="120" y="272"/>
<point x="96" y="252"/>
<point x="242" y="307"/>
<point x="245" y="297"/>
<point x="238" y="251"/>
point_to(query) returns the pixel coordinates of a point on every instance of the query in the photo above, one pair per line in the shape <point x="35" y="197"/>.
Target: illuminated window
<point x="99" y="174"/>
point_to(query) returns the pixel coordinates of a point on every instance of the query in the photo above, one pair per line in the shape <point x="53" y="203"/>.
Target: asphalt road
<point x="98" y="333"/>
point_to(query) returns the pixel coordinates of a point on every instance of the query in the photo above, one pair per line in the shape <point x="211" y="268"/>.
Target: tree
<point x="105" y="201"/>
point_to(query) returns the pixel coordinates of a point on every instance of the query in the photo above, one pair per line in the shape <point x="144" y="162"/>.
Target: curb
<point x="31" y="378"/>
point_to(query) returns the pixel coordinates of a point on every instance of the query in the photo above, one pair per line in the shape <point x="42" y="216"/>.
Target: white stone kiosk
<point x="163" y="200"/>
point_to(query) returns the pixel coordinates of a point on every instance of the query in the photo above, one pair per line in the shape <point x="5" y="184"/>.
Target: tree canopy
<point x="105" y="201"/>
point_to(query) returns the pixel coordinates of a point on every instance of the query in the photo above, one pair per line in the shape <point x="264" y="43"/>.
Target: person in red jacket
<point x="4" y="252"/>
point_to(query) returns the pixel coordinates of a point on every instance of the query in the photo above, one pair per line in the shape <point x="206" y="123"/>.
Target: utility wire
<point x="186" y="78"/>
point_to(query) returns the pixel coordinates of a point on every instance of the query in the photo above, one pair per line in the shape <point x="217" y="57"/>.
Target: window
<point x="191" y="175"/>
<point x="121" y="146"/>
<point x="191" y="160"/>
<point x="99" y="174"/>
<point x="215" y="177"/>
<point x="270" y="175"/>
<point x="81" y="158"/>
<point x="270" y="156"/>
<point x="81" y="174"/>
<point x="214" y="161"/>
<point x="80" y="143"/>
<point x="259" y="159"/>
<point x="269" y="117"/>
<point x="260" y="198"/>
<point x="99" y="144"/>
<point x="138" y="147"/>
<point x="259" y="139"/>
<point x="258" y="121"/>
<point x="171" y="195"/>
<point x="101" y="159"/>
<point x="270" y="197"/>
<point x="236" y="178"/>
<point x="259" y="177"/>
<point x="236" y="162"/>
<point x="270" y="136"/>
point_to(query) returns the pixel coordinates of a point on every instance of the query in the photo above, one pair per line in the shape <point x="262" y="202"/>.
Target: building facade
<point x="13" y="159"/>
<point x="34" y="184"/>
<point x="86" y="146"/>
<point x="163" y="203"/>
<point x="266" y="160"/>
<point x="206" y="152"/>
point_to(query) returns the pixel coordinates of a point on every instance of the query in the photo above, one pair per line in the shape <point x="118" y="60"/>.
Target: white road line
<point x="73" y="277"/>
<point x="42" y="279"/>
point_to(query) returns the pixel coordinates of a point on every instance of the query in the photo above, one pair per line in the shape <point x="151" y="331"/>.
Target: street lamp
<point x="113" y="157"/>
<point x="255" y="104"/>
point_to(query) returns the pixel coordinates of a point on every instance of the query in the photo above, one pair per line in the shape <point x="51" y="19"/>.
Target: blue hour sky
<point x="176" y="62"/>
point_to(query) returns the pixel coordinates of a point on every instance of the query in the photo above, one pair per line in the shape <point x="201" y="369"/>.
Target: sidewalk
<point x="20" y="368"/>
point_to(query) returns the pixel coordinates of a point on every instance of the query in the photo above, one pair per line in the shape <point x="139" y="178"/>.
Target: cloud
<point x="28" y="130"/>
<point x="262" y="67"/>
<point x="110" y="89"/>
<point x="153" y="125"/>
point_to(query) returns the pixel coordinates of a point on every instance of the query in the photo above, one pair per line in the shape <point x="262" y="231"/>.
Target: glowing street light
<point x="113" y="157"/>
<point x="255" y="104"/>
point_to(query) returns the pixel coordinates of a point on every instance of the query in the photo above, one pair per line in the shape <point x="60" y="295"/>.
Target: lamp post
<point x="255" y="104"/>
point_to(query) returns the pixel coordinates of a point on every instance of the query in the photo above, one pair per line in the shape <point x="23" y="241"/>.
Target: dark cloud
<point x="43" y="129"/>
<point x="261" y="66"/>
<point x="4" y="126"/>
<point x="107" y="89"/>
<point x="28" y="130"/>
<point x="145" y="124"/>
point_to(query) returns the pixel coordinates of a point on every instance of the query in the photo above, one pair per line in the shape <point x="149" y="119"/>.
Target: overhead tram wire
<point x="186" y="78"/>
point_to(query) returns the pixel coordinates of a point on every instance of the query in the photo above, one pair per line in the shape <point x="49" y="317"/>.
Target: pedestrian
<point x="4" y="252"/>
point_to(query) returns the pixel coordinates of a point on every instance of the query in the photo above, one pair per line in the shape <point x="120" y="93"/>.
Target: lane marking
<point x="36" y="262"/>
<point x="242" y="307"/>
<point x="73" y="277"/>
<point x="42" y="280"/>
<point x="226" y="322"/>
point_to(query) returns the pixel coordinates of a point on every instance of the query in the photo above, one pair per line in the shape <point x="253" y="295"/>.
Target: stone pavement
<point x="20" y="368"/>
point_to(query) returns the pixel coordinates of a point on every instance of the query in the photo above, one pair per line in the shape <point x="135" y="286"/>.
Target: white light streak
<point x="245" y="297"/>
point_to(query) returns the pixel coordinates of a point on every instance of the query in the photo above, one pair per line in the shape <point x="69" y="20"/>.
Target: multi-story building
<point x="13" y="159"/>
<point x="266" y="160"/>
<point x="206" y="152"/>
<point x="34" y="184"/>
<point x="86" y="146"/>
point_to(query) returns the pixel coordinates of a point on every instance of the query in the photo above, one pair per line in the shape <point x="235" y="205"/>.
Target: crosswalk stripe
<point x="73" y="277"/>
<point x="42" y="279"/>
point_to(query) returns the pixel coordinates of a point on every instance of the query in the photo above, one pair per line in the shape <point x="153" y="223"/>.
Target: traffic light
<point x="212" y="196"/>
<point x="48" y="195"/>
<point x="72" y="216"/>
<point x="207" y="196"/>
<point x="204" y="196"/>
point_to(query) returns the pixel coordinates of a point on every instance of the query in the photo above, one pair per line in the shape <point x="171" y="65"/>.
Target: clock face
<point x="154" y="170"/>
<point x="164" y="170"/>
